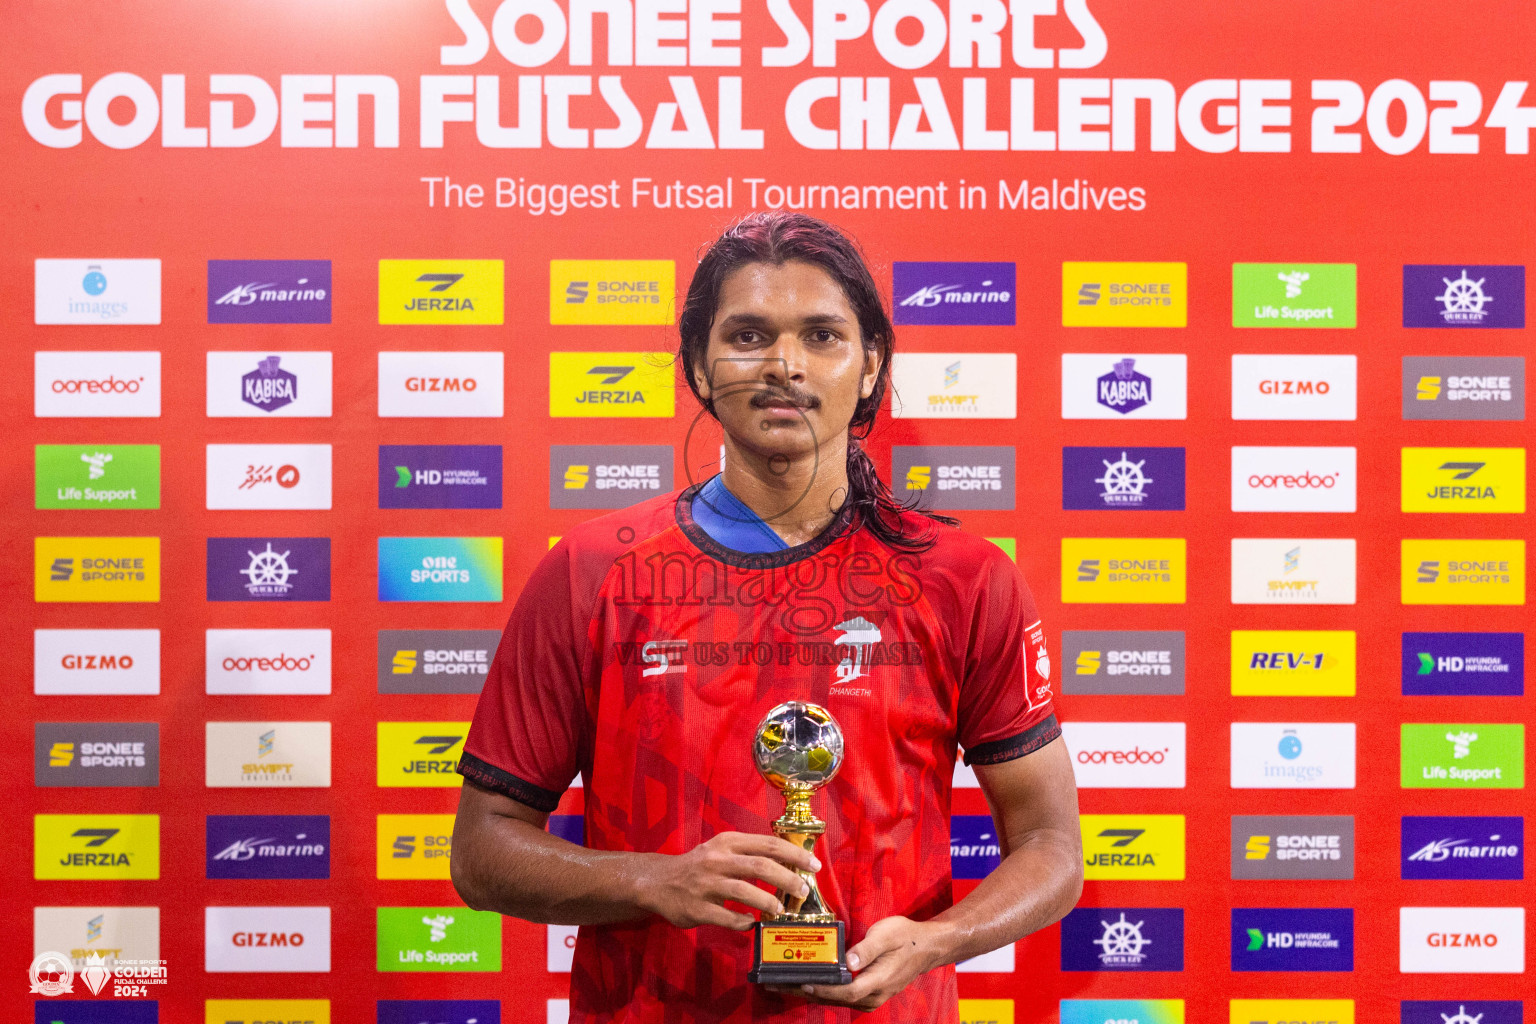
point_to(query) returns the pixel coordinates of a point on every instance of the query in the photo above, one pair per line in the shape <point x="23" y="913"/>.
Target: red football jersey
<point x="642" y="655"/>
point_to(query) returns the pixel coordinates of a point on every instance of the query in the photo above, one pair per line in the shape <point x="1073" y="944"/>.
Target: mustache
<point x="785" y="396"/>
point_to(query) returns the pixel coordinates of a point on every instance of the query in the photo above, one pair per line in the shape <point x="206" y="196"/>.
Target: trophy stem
<point x="799" y="826"/>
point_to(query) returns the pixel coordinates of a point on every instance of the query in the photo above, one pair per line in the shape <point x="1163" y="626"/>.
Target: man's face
<point x="785" y="365"/>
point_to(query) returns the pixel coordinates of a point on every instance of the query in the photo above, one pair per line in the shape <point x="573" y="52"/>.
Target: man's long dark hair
<point x="776" y="238"/>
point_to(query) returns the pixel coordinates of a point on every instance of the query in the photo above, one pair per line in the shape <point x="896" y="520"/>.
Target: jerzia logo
<point x="440" y="291"/>
<point x="96" y="846"/>
<point x="611" y="384"/>
<point x="1463" y="480"/>
<point x="1146" y="846"/>
<point x="420" y="753"/>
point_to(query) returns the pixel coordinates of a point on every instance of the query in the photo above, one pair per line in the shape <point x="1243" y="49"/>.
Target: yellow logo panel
<point x="307" y="1011"/>
<point x="1293" y="663"/>
<point x="414" y="845"/>
<point x="986" y="1011"/>
<point x="611" y="292"/>
<point x="1463" y="480"/>
<point x="611" y="384"/>
<point x="1124" y="295"/>
<point x="440" y="291"/>
<point x="1122" y="570"/>
<point x="95" y="569"/>
<point x="420" y="753"/>
<point x="1147" y="846"/>
<point x="90" y="846"/>
<point x="1463" y="571"/>
<point x="1291" y="1011"/>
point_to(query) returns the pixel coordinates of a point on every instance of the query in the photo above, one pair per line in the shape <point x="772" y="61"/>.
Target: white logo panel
<point x="1275" y="387"/>
<point x="954" y="385"/>
<point x="269" y="476"/>
<point x="269" y="384"/>
<point x="113" y="933"/>
<point x="266" y="755"/>
<point x="96" y="292"/>
<point x="95" y="662"/>
<point x="281" y="940"/>
<point x="999" y="961"/>
<point x="561" y="951"/>
<point x="1126" y="755"/>
<point x="269" y="661"/>
<point x="96" y="384"/>
<point x="440" y="384"/>
<point x="1293" y="755"/>
<point x="1461" y="940"/>
<point x="1111" y="386"/>
<point x="1287" y="572"/>
<point x="1293" y="479"/>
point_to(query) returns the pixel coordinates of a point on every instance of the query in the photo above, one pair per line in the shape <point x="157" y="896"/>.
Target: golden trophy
<point x="798" y="748"/>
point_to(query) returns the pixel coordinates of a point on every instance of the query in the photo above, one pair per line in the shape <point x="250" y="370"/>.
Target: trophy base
<point x="799" y="953"/>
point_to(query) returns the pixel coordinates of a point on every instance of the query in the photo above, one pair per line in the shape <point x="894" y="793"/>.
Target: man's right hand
<point x="692" y="888"/>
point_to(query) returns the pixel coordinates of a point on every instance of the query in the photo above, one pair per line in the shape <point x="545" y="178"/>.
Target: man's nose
<point x="785" y="361"/>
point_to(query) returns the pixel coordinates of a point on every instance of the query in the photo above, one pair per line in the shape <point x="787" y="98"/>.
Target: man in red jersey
<point x="649" y="643"/>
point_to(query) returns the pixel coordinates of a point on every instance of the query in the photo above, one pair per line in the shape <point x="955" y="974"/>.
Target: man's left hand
<point x="893" y="953"/>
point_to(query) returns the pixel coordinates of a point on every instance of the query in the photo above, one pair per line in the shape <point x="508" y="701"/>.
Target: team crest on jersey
<point x="1037" y="691"/>
<point x="664" y="657"/>
<point x="859" y="635"/>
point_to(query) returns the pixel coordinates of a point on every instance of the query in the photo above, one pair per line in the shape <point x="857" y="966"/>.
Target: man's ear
<point x="872" y="361"/>
<point x="700" y="378"/>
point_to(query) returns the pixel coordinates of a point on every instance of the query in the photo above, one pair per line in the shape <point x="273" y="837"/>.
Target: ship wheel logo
<point x="1461" y="1016"/>
<point x="268" y="573"/>
<point x="1121" y="942"/>
<point x="1463" y="299"/>
<point x="1123" y="481"/>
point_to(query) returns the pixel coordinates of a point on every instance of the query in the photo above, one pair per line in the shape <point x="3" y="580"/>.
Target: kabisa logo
<point x="1461" y="940"/>
<point x="1145" y="846"/>
<point x="1294" y="387"/>
<point x="269" y="569"/>
<point x="97" y="476"/>
<point x="262" y="384"/>
<point x="269" y="291"/>
<point x="96" y="569"/>
<point x="419" y="754"/>
<point x="439" y="1011"/>
<point x="612" y="384"/>
<point x="87" y="662"/>
<point x="607" y="475"/>
<point x="440" y="292"/>
<point x="1292" y="571"/>
<point x="95" y="846"/>
<point x="95" y="384"/>
<point x="441" y="384"/>
<point x="1124" y="294"/>
<point x="266" y="939"/>
<point x="1122" y="1011"/>
<point x="1124" y="389"/>
<point x="413" y="845"/>
<point x="974" y="850"/>
<point x="1123" y="662"/>
<point x="611" y="292"/>
<point x="1459" y="756"/>
<point x="1481" y="1011"/>
<point x="1117" y="386"/>
<point x="440" y="476"/>
<point x="960" y="477"/>
<point x="267" y="754"/>
<point x="1122" y="478"/>
<point x="1463" y="387"/>
<point x="1463" y="848"/>
<point x="1293" y="295"/>
<point x="1122" y="570"/>
<point x="1123" y="939"/>
<point x="1465" y="572"/>
<point x="1293" y="663"/>
<point x="440" y="568"/>
<point x="96" y="291"/>
<point x="269" y="387"/>
<point x="1463" y="664"/>
<point x="1293" y="846"/>
<point x="1463" y="480"/>
<point x="96" y="754"/>
<point x="438" y="939"/>
<point x="954" y="385"/>
<point x="268" y="846"/>
<point x="961" y="294"/>
<point x="1293" y="940"/>
<point x="435" y="660"/>
<point x="1463" y="295"/>
<point x="1293" y="755"/>
<point x="1126" y="755"/>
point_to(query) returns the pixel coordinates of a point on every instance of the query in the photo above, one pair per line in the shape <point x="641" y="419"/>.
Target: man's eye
<point x="747" y="337"/>
<point x="824" y="336"/>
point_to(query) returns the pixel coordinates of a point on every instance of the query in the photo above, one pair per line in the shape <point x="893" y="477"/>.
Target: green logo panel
<point x="1455" y="756"/>
<point x="1293" y="295"/>
<point x="98" y="476"/>
<point x="438" y="939"/>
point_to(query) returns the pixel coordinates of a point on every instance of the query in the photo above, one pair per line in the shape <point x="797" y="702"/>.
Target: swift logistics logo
<point x="1123" y="661"/>
<point x="1111" y="387"/>
<point x="1126" y="755"/>
<point x="1122" y="1011"/>
<point x="1133" y="846"/>
<point x="1122" y="479"/>
<point x="1293" y="663"/>
<point x="1268" y="846"/>
<point x="96" y="476"/>
<point x="1287" y="479"/>
<point x="96" y="754"/>
<point x="96" y="291"/>
<point x="1293" y="295"/>
<point x="611" y="384"/>
<point x="269" y="569"/>
<point x="1464" y="572"/>
<point x="262" y="384"/>
<point x="267" y="661"/>
<point x="1294" y="1011"/>
<point x="958" y="294"/>
<point x="954" y="385"/>
<point x="611" y="292"/>
<point x="97" y="384"/>
<point x="959" y="477"/>
<point x="95" y="569"/>
<point x="974" y="848"/>
<point x="441" y="385"/>
<point x="440" y="568"/>
<point x="1115" y="939"/>
<point x="95" y="846"/>
<point x="1293" y="387"/>
<point x="1461" y="940"/>
<point x="439" y="476"/>
<point x="259" y="940"/>
<point x="1463" y="387"/>
<point x="438" y="939"/>
<point x="439" y="1011"/>
<point x="268" y="846"/>
<point x="1124" y="295"/>
<point x="1463" y="479"/>
<point x="1463" y="295"/>
<point x="1293" y="571"/>
<point x="269" y="291"/>
<point x="1293" y="755"/>
<point x="440" y="292"/>
<point x="435" y="660"/>
<point x="413" y="845"/>
<point x="1461" y="756"/>
<point x="91" y="662"/>
<point x="266" y="755"/>
<point x="107" y="934"/>
<point x="417" y="754"/>
<point x="1463" y="848"/>
<point x="1463" y="664"/>
<point x="1300" y="939"/>
<point x="589" y="476"/>
<point x="1123" y="570"/>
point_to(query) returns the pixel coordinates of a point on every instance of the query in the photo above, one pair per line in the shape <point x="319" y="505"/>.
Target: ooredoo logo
<point x="266" y="939"/>
<point x="440" y="384"/>
<point x="1293" y="479"/>
<point x="96" y="384"/>
<point x="1126" y="755"/>
<point x="270" y="661"/>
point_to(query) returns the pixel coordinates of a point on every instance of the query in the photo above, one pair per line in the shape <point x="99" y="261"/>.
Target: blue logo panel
<point x="570" y="827"/>
<point x="1463" y="295"/>
<point x="1123" y="939"/>
<point x="439" y="1011"/>
<point x="973" y="847"/>
<point x="1122" y="479"/>
<point x="1463" y="664"/>
<point x="1462" y="1011"/>
<point x="440" y="476"/>
<point x="956" y="294"/>
<point x="439" y="568"/>
<point x="269" y="291"/>
<point x="1463" y="848"/>
<point x="1293" y="940"/>
<point x="95" y="1011"/>
<point x="269" y="568"/>
<point x="269" y="846"/>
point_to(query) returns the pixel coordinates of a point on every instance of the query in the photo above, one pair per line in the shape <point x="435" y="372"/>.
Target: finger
<point x="875" y="945"/>
<point x="749" y="895"/>
<point x="772" y="872"/>
<point x="781" y="850"/>
<point x="713" y="913"/>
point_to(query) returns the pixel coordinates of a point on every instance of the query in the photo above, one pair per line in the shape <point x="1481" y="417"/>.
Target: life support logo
<point x="438" y="939"/>
<point x="440" y="292"/>
<point x="1463" y="756"/>
<point x="612" y="292"/>
<point x="1293" y="295"/>
<point x="1123" y="570"/>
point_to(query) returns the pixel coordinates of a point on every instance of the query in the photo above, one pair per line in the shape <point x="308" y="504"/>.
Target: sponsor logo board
<point x="1463" y="295"/>
<point x="439" y="1011"/>
<point x="959" y="477"/>
<point x="260" y="1011"/>
<point x="95" y="569"/>
<point x="269" y="568"/>
<point x="1463" y="664"/>
<point x="1461" y="756"/>
<point x="1122" y="1011"/>
<point x="1463" y="479"/>
<point x="1463" y="848"/>
<point x="1293" y="939"/>
<point x="268" y="846"/>
<point x="268" y="661"/>
<point x="1293" y="663"/>
<point x="974" y="848"/>
<point x="111" y="933"/>
<point x="96" y="476"/>
<point x="607" y="475"/>
<point x="440" y="568"/>
<point x="440" y="476"/>
<point x="267" y="383"/>
<point x="1293" y="387"/>
<point x="413" y="845"/>
<point x="961" y="294"/>
<point x="1115" y="939"/>
<point x="262" y="940"/>
<point x="1458" y="571"/>
<point x="268" y="476"/>
<point x="1463" y="387"/>
<point x="1293" y="295"/>
<point x="435" y="660"/>
<point x="95" y="662"/>
<point x="612" y="384"/>
<point x="1461" y="940"/>
<point x="420" y="753"/>
<point x="269" y="291"/>
<point x="1122" y="479"/>
<point x="267" y="754"/>
<point x="95" y="384"/>
<point x="1107" y="386"/>
<point x="1123" y="661"/>
<point x="1268" y="846"/>
<point x="95" y="846"/>
<point x="954" y="385"/>
<point x="1124" y="294"/>
<point x="986" y="1011"/>
<point x="1123" y="570"/>
<point x="1293" y="479"/>
<point x="1293" y="755"/>
<point x="96" y="754"/>
<point x="441" y="385"/>
<point x="1292" y="1011"/>
<point x="1133" y="846"/>
<point x="440" y="292"/>
<point x="1126" y="755"/>
<point x="96" y="291"/>
<point x="612" y="292"/>
<point x="438" y="939"/>
<point x="1461" y="1011"/>
<point x="1279" y="572"/>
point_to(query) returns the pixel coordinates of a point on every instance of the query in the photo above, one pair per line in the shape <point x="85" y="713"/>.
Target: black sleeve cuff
<point x="998" y="751"/>
<point x="488" y="776"/>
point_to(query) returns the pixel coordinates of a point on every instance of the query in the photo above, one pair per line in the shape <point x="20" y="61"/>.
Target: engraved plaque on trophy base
<point x="799" y="953"/>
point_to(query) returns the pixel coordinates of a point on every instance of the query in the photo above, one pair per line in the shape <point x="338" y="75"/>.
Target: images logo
<point x="1122" y="1011"/>
<point x="611" y="291"/>
<point x="962" y="294"/>
<point x="440" y="476"/>
<point x="1293" y="295"/>
<point x="607" y="475"/>
<point x="1293" y="571"/>
<point x="269" y="568"/>
<point x="1293" y="846"/>
<point x="1145" y="846"/>
<point x="1108" y="386"/>
<point x="96" y="569"/>
<point x="1463" y="295"/>
<point x="1122" y="478"/>
<point x="1463" y="664"/>
<point x="1463" y="387"/>
<point x="414" y="845"/>
<point x="439" y="568"/>
<point x="1126" y="755"/>
<point x="1122" y="939"/>
<point x="1122" y="570"/>
<point x="1463" y="848"/>
<point x="611" y="384"/>
<point x="974" y="849"/>
<point x="268" y="846"/>
<point x="268" y="661"/>
<point x="1293" y="663"/>
<point x="954" y="385"/>
<point x="438" y="939"/>
<point x="1124" y="295"/>
<point x="1451" y="756"/>
<point x="81" y="846"/>
<point x="268" y="476"/>
<point x="441" y="384"/>
<point x="1293" y="1011"/>
<point x="1463" y="479"/>
<point x="1293" y="479"/>
<point x="1461" y="940"/>
<point x="1293" y="387"/>
<point x="96" y="754"/>
<point x="435" y="660"/>
<point x="97" y="476"/>
<point x="1293" y="940"/>
<point x="96" y="292"/>
<point x="1283" y="755"/>
<point x="265" y="383"/>
<point x="440" y="292"/>
<point x="1123" y="662"/>
<point x="961" y="477"/>
<point x="269" y="291"/>
<point x="278" y="940"/>
<point x="419" y="754"/>
<point x="96" y="384"/>
<point x="267" y="754"/>
<point x="1467" y="572"/>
